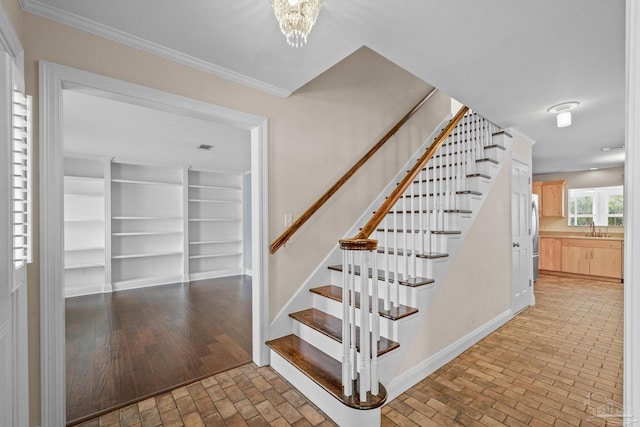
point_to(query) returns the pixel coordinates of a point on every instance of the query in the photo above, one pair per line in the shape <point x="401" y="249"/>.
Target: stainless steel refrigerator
<point x="535" y="230"/>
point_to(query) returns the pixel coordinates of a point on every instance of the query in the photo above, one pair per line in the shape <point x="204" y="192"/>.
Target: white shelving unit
<point x="214" y="206"/>
<point x="133" y="225"/>
<point x="84" y="226"/>
<point x="146" y="223"/>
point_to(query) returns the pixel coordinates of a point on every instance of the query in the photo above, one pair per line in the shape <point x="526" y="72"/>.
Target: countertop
<point x="569" y="235"/>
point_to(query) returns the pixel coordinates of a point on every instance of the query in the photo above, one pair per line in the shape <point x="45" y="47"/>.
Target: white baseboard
<point x="85" y="290"/>
<point x="213" y="274"/>
<point x="428" y="366"/>
<point x="146" y="282"/>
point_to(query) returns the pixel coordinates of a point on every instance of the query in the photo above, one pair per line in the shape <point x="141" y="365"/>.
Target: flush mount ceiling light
<point x="563" y="111"/>
<point x="296" y="18"/>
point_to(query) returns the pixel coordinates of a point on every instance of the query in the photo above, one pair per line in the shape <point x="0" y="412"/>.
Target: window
<point x="581" y="209"/>
<point x="602" y="206"/>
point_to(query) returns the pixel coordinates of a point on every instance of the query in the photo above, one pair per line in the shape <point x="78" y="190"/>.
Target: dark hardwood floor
<point x="128" y="345"/>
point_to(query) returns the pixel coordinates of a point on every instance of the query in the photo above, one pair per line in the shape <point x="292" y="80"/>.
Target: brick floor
<point x="552" y="365"/>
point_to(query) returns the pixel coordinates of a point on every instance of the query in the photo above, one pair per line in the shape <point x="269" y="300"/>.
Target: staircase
<point x="387" y="269"/>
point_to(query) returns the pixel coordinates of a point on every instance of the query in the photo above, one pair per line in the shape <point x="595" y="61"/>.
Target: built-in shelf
<point x="145" y="217"/>
<point x="215" y="219"/>
<point x="213" y="201"/>
<point x="84" y="265"/>
<point x="229" y="254"/>
<point x="215" y="223"/>
<point x="146" y="233"/>
<point x="84" y="226"/>
<point x="213" y="242"/>
<point x="132" y="225"/>
<point x="215" y="187"/>
<point x="88" y="248"/>
<point x="146" y="255"/>
<point x="141" y="182"/>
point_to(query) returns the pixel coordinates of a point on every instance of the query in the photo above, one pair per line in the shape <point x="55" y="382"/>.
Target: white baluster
<point x="387" y="264"/>
<point x="375" y="331"/>
<point x="364" y="325"/>
<point x="347" y="383"/>
<point x="396" y="247"/>
<point x="405" y="237"/>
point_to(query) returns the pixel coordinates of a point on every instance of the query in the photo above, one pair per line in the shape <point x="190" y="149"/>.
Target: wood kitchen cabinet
<point x="553" y="198"/>
<point x="592" y="257"/>
<point x="536" y="188"/>
<point x="550" y="254"/>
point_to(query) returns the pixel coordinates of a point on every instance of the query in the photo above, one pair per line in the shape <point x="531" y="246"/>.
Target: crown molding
<point x="41" y="9"/>
<point x="9" y="40"/>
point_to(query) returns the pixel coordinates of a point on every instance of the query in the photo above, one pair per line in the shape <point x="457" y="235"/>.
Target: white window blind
<point x="21" y="178"/>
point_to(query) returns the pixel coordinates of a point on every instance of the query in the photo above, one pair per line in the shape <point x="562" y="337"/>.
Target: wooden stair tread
<point x="331" y="326"/>
<point x="391" y="230"/>
<point x="322" y="369"/>
<point x="464" y="211"/>
<point x="335" y="293"/>
<point x="426" y="255"/>
<point x="477" y="193"/>
<point x="469" y="175"/>
<point x="412" y="281"/>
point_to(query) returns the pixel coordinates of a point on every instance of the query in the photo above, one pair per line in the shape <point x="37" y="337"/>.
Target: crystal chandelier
<point x="296" y="18"/>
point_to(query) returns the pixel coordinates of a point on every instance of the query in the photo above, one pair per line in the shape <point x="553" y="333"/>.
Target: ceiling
<point x="508" y="59"/>
<point x="104" y="127"/>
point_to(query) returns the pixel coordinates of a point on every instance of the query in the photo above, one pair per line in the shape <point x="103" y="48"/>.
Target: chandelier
<point x="296" y="18"/>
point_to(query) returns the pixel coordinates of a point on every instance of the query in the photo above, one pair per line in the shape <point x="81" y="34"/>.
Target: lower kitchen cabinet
<point x="550" y="254"/>
<point x="592" y="257"/>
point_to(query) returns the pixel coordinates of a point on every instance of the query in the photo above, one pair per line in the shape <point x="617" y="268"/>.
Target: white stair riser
<point x="330" y="346"/>
<point x="388" y="328"/>
<point x="343" y="415"/>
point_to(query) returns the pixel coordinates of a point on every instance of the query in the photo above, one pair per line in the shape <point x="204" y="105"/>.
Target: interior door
<point x="14" y="250"/>
<point x="521" y="255"/>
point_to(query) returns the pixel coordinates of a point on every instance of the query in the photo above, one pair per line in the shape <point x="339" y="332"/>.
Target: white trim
<point x="67" y="18"/>
<point x="631" y="392"/>
<point x="428" y="366"/>
<point x="340" y="413"/>
<point x="53" y="79"/>
<point x="9" y="40"/>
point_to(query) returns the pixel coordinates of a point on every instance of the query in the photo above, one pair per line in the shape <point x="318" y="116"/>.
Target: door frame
<point x="54" y="79"/>
<point x="527" y="162"/>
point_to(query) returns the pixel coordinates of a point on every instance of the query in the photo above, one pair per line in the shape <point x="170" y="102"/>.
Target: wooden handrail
<point x="286" y="235"/>
<point x="388" y="204"/>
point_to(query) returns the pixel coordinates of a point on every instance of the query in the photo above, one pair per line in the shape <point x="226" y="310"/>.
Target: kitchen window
<point x="602" y="206"/>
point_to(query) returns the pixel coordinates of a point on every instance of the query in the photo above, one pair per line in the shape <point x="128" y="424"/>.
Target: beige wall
<point x="585" y="179"/>
<point x="315" y="135"/>
<point x="477" y="287"/>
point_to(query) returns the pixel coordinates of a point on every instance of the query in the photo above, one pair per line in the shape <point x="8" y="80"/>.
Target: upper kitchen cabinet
<point x="552" y="197"/>
<point x="536" y="188"/>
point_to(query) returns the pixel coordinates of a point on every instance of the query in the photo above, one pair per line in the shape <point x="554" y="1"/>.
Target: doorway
<point x="53" y="80"/>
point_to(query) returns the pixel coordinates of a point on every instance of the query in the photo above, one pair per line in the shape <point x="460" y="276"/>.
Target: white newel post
<point x="362" y="252"/>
